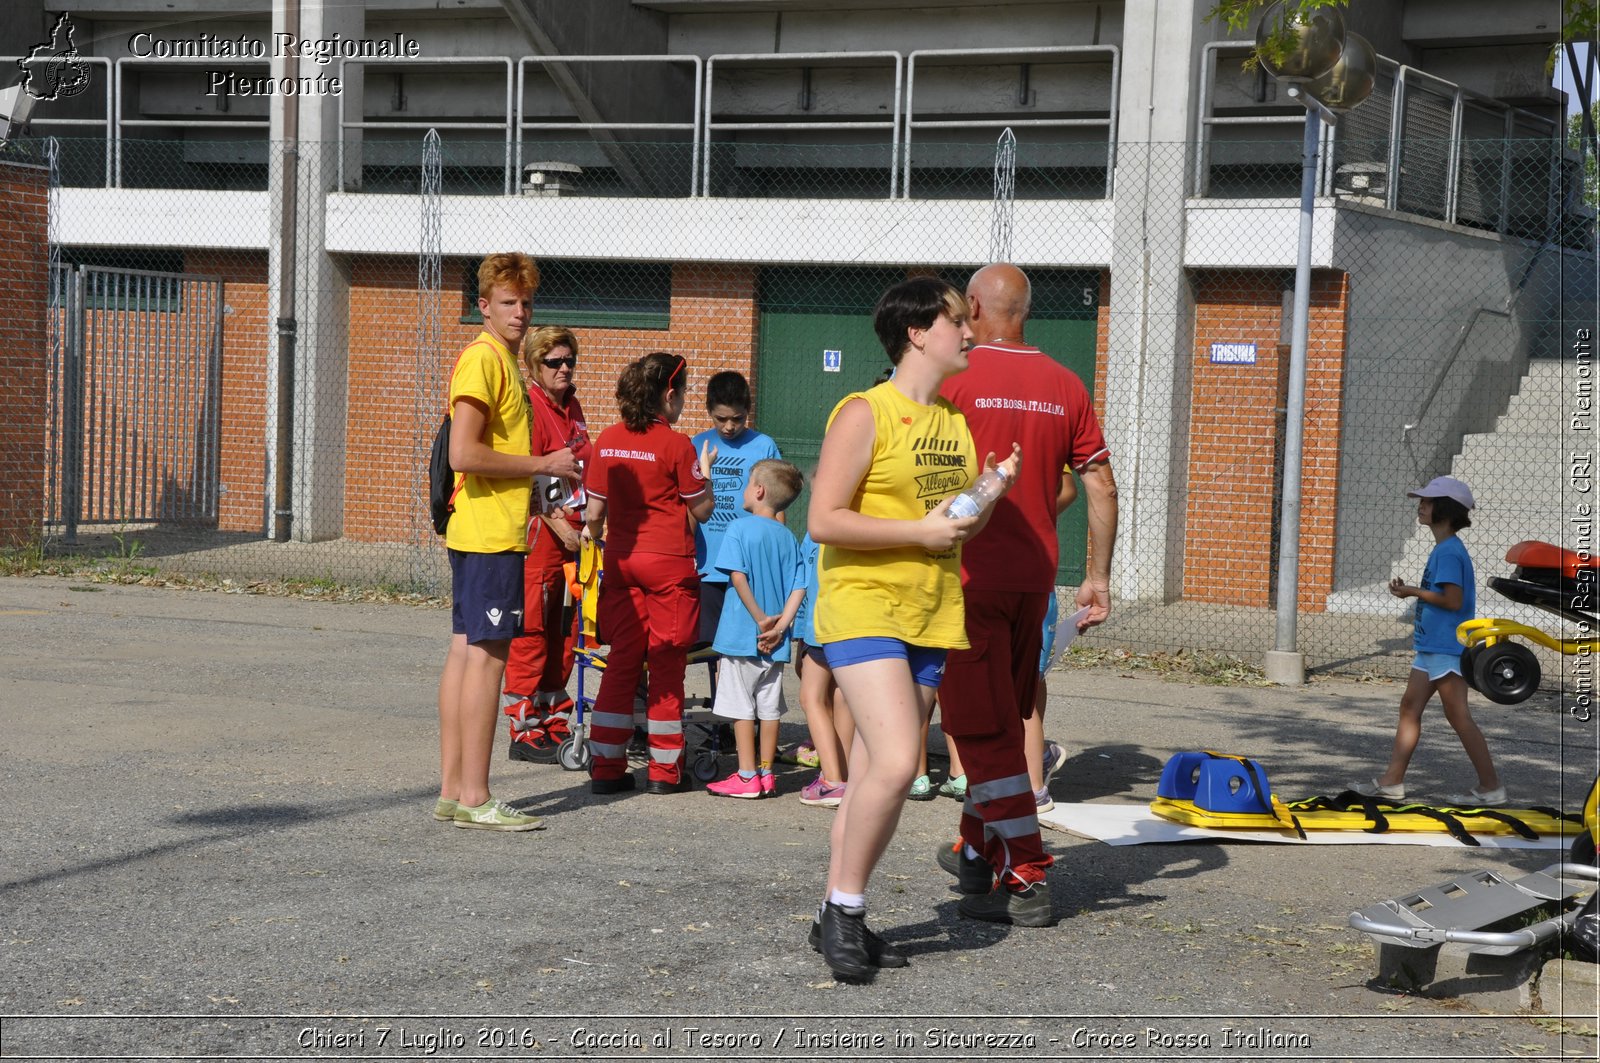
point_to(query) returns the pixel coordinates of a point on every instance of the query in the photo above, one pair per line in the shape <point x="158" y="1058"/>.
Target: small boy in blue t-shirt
<point x="738" y="448"/>
<point x="1447" y="598"/>
<point x="762" y="563"/>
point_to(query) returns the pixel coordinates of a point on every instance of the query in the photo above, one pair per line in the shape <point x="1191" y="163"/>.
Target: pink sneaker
<point x="769" y="784"/>
<point x="736" y="786"/>
<point x="823" y="793"/>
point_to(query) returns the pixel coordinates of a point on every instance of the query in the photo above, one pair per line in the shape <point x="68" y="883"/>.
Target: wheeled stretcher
<point x="589" y="656"/>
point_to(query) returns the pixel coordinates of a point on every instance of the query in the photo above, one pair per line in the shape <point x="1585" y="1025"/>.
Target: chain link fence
<point x="1452" y="309"/>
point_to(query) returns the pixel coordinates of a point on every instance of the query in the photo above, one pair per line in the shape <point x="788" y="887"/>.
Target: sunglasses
<point x="556" y="363"/>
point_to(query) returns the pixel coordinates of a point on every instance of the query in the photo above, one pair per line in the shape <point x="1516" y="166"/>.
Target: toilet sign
<point x="1233" y="354"/>
<point x="832" y="361"/>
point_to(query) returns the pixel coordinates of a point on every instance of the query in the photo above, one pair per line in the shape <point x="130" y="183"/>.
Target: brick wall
<point x="24" y="295"/>
<point x="395" y="404"/>
<point x="1235" y="438"/>
<point x="246" y="329"/>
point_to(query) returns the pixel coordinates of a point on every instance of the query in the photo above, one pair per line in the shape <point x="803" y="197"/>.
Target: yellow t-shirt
<point x="921" y="455"/>
<point x="491" y="515"/>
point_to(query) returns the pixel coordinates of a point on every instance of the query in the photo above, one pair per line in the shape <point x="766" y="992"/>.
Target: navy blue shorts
<point x="486" y="595"/>
<point x="927" y="664"/>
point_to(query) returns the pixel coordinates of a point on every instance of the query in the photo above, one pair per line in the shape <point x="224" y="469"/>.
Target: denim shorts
<point x="1052" y="613"/>
<point x="927" y="664"/>
<point x="1437" y="665"/>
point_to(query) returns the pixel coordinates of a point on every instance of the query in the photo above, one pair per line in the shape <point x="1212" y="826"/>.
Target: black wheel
<point x="573" y="753"/>
<point x="1506" y="672"/>
<point x="1469" y="664"/>
<point x="1583" y="850"/>
<point x="704" y="767"/>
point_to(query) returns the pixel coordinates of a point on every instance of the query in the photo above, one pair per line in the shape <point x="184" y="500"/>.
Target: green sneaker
<point x="495" y="815"/>
<point x="956" y="788"/>
<point x="921" y="789"/>
<point x="444" y="810"/>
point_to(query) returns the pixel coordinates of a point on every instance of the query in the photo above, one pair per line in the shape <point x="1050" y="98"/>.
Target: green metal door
<point x="807" y="311"/>
<point x="804" y="312"/>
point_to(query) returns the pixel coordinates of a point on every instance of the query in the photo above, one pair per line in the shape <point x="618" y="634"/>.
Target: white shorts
<point x="749" y="688"/>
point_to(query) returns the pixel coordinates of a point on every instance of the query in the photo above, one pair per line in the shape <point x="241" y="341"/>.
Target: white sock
<point x="847" y="900"/>
<point x="970" y="853"/>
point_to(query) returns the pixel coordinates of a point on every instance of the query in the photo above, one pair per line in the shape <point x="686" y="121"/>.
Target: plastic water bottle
<point x="980" y="496"/>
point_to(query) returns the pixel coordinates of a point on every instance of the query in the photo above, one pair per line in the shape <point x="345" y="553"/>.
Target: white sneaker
<point x="1477" y="799"/>
<point x="1377" y="789"/>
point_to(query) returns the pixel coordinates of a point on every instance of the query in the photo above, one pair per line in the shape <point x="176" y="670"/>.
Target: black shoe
<point x="621" y="784"/>
<point x="879" y="951"/>
<point x="539" y="751"/>
<point x="661" y="786"/>
<point x="844" y="942"/>
<point x="972" y="876"/>
<point x="1024" y="907"/>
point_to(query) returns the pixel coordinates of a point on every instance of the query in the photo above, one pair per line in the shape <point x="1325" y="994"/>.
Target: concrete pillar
<point x="322" y="295"/>
<point x="1150" y="327"/>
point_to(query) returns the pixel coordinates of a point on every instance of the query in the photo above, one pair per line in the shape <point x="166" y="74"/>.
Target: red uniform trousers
<point x="540" y="661"/>
<point x="987" y="691"/>
<point x="649" y="607"/>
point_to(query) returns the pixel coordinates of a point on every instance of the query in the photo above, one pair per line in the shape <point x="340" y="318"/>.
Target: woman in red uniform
<point x="644" y="483"/>
<point x="540" y="662"/>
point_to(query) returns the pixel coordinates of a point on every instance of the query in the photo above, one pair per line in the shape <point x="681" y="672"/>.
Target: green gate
<point x="816" y="345"/>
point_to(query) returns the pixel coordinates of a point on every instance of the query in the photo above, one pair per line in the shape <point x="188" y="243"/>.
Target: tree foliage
<point x="1580" y="22"/>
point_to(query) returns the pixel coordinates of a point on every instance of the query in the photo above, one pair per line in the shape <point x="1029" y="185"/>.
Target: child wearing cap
<point x="1446" y="598"/>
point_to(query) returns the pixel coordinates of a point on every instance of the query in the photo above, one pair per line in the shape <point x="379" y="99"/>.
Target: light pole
<point x="1328" y="70"/>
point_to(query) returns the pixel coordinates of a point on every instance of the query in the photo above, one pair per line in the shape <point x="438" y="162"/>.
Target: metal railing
<point x="506" y="124"/>
<point x="119" y="123"/>
<point x="912" y="123"/>
<point x="1406" y="86"/>
<point x="6" y="61"/>
<point x="693" y="125"/>
<point x="707" y="125"/>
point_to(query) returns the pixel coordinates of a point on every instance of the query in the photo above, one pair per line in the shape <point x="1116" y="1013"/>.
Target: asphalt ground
<point x="218" y="844"/>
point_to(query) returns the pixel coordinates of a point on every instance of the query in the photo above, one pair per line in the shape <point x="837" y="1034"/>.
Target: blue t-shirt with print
<point x="810" y="551"/>
<point x="766" y="552"/>
<point x="729" y="475"/>
<point x="1435" y="628"/>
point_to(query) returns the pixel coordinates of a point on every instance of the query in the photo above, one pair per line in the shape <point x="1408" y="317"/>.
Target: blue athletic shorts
<point x="486" y="595"/>
<point x="1437" y="665"/>
<point x="927" y="664"/>
<point x="813" y="653"/>
<point x="1052" y="614"/>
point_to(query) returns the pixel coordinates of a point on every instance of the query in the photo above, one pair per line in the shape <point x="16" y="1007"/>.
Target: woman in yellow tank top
<point x="889" y="577"/>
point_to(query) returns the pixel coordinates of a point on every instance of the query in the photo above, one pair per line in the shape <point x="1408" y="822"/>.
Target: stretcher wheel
<point x="573" y="753"/>
<point x="1583" y="851"/>
<point x="1506" y="672"/>
<point x="1469" y="664"/>
<point x="704" y="766"/>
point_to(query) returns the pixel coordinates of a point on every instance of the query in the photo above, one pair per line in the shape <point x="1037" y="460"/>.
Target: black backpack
<point x="442" y="485"/>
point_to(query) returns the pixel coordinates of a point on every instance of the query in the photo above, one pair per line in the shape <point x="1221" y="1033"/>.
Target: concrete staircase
<point x="1521" y="477"/>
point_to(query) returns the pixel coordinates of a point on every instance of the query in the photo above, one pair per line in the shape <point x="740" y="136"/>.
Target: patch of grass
<point x="1191" y="666"/>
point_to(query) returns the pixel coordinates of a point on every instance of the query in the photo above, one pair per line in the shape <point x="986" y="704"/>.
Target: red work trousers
<point x="987" y="691"/>
<point x="540" y="661"/>
<point x="649" y="607"/>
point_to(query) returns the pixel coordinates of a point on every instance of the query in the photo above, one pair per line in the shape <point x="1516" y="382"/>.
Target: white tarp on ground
<point x="1137" y="825"/>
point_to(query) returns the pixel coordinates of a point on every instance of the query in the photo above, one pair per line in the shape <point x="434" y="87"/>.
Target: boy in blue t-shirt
<point x="762" y="563"/>
<point x="1447" y="598"/>
<point x="738" y="448"/>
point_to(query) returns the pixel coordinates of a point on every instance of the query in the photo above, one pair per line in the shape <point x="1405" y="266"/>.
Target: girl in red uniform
<point x="644" y="483"/>
<point x="540" y="662"/>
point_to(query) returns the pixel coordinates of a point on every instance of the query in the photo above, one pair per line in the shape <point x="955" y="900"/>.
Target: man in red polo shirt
<point x="1014" y="392"/>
